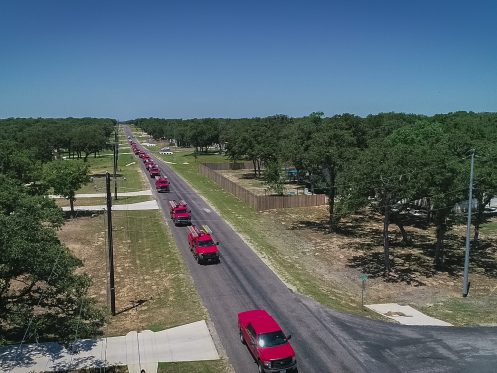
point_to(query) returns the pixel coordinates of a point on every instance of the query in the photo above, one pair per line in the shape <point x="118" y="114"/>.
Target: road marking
<point x="207" y="210"/>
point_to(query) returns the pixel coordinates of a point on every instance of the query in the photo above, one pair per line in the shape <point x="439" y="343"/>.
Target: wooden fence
<point x="260" y="203"/>
<point x="229" y="166"/>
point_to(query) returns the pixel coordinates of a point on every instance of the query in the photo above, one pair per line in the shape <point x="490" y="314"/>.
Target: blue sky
<point x="185" y="59"/>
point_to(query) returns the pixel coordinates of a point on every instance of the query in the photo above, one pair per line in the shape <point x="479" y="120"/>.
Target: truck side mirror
<point x="217" y="243"/>
<point x="289" y="336"/>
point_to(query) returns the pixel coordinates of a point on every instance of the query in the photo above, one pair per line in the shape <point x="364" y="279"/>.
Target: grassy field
<point x="61" y="202"/>
<point x="130" y="178"/>
<point x="466" y="311"/>
<point x="250" y="224"/>
<point x="209" y="366"/>
<point x="153" y="288"/>
<point x="489" y="228"/>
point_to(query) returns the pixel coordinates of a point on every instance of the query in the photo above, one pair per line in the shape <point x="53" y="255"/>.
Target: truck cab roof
<point x="261" y="321"/>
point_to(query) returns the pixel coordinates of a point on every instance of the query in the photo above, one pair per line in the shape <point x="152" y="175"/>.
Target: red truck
<point x="267" y="342"/>
<point x="202" y="245"/>
<point x="180" y="214"/>
<point x="154" y="171"/>
<point x="149" y="163"/>
<point x="162" y="184"/>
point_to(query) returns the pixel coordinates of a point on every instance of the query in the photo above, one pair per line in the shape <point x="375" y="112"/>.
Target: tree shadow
<point x="482" y="259"/>
<point x="134" y="304"/>
<point x="104" y="175"/>
<point x="409" y="261"/>
<point x="27" y="356"/>
<point x="249" y="176"/>
<point x="83" y="214"/>
<point x="405" y="267"/>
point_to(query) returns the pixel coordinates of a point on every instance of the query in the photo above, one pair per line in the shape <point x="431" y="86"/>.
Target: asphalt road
<point x="324" y="340"/>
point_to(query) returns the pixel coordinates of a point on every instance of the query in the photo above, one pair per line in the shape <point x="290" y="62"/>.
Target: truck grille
<point x="282" y="363"/>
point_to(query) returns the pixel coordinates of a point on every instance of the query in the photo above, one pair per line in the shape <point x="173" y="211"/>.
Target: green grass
<point x="129" y="177"/>
<point x="490" y="227"/>
<point x="155" y="270"/>
<point x="248" y="222"/>
<point x="466" y="311"/>
<point x="206" y="366"/>
<point x="93" y="201"/>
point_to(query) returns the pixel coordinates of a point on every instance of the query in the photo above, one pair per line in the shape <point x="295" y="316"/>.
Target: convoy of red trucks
<point x="202" y="245"/>
<point x="266" y="341"/>
<point x="258" y="330"/>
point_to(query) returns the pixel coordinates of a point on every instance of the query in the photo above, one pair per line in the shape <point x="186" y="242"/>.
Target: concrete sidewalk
<point x="147" y="192"/>
<point x="147" y="205"/>
<point x="191" y="342"/>
<point x="405" y="314"/>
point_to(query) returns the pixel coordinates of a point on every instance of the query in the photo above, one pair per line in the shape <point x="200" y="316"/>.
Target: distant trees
<point x="46" y="139"/>
<point x="389" y="162"/>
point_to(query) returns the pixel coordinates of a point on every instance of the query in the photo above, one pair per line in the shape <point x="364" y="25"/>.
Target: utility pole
<point x="116" y="154"/>
<point x="110" y="247"/>
<point x="465" y="289"/>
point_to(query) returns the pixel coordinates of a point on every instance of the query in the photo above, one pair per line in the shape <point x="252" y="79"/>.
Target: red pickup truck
<point x="180" y="214"/>
<point x="154" y="171"/>
<point x="202" y="245"/>
<point x="162" y="184"/>
<point x="149" y="163"/>
<point x="267" y="342"/>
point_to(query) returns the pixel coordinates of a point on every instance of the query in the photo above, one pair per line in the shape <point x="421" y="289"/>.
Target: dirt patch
<point x="152" y="290"/>
<point x="340" y="258"/>
<point x="247" y="179"/>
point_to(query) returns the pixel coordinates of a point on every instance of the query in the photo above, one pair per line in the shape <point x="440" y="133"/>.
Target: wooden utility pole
<point x="112" y="289"/>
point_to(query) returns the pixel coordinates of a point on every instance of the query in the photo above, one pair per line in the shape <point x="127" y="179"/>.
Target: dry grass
<point x="153" y="288"/>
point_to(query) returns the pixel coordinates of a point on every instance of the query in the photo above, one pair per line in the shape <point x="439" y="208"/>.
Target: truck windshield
<point x="272" y="339"/>
<point x="180" y="211"/>
<point x="206" y="243"/>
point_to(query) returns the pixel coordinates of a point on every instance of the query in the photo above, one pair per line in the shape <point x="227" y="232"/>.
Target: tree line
<point x="389" y="162"/>
<point x="50" y="138"/>
<point x="42" y="296"/>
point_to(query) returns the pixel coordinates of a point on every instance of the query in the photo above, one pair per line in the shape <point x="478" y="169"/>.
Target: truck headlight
<point x="267" y="364"/>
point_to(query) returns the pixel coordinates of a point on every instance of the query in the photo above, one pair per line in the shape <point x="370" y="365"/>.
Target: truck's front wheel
<point x="261" y="367"/>
<point x="241" y="338"/>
